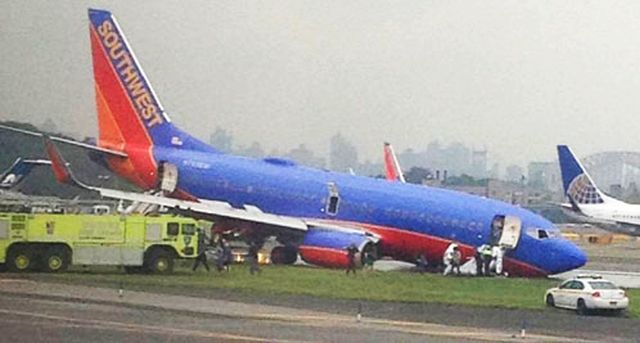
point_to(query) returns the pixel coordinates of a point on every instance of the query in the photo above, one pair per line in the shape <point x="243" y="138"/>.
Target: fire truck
<point x="51" y="242"/>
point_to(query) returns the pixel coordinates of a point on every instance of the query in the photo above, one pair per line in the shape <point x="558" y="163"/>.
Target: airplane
<point x="313" y="213"/>
<point x="18" y="171"/>
<point x="588" y="204"/>
<point x="392" y="169"/>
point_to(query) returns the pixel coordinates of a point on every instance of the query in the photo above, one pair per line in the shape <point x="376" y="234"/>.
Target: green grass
<point x="374" y="286"/>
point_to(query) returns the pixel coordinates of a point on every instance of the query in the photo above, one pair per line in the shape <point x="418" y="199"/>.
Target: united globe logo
<point x="582" y="191"/>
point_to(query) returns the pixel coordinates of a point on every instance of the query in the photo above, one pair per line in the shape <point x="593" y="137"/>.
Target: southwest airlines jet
<point x="589" y="204"/>
<point x="313" y="213"/>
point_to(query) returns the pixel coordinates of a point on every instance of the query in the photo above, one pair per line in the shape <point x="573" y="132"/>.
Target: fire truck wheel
<point x="160" y="262"/>
<point x="55" y="259"/>
<point x="20" y="259"/>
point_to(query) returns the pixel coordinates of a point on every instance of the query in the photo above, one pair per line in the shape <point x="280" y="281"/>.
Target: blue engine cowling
<point x="326" y="246"/>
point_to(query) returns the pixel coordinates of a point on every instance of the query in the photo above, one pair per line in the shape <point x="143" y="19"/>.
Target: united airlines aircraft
<point x="587" y="203"/>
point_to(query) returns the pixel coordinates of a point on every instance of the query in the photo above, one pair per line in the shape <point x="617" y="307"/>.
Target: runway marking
<point x="106" y="324"/>
<point x="429" y="329"/>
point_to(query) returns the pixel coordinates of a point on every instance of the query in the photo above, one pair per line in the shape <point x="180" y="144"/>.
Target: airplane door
<point x="169" y="177"/>
<point x="510" y="232"/>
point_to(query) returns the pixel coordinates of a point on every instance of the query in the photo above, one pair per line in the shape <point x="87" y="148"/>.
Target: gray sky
<point x="516" y="77"/>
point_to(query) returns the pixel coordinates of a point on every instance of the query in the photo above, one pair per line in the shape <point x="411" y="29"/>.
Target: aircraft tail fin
<point x="577" y="184"/>
<point x="19" y="171"/>
<point x="129" y="111"/>
<point x="392" y="169"/>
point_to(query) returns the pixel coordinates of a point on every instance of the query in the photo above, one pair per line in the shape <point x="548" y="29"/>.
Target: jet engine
<point x="327" y="246"/>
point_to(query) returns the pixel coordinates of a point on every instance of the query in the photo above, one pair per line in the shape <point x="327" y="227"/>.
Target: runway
<point x="35" y="311"/>
<point x="622" y="279"/>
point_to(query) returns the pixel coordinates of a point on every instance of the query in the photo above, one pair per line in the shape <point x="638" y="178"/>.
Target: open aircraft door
<point x="511" y="231"/>
<point x="169" y="177"/>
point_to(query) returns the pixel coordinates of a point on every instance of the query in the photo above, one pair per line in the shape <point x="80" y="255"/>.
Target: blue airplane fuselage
<point x="281" y="187"/>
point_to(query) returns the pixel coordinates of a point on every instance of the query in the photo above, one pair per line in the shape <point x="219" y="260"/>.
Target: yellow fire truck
<point x="51" y="242"/>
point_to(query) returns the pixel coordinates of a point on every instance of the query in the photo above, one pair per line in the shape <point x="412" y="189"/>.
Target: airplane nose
<point x="570" y="256"/>
<point x="576" y="258"/>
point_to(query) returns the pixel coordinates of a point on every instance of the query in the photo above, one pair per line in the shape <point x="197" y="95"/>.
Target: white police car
<point x="587" y="292"/>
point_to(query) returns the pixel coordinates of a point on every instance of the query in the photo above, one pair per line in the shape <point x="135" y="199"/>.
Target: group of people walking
<point x="488" y="260"/>
<point x="221" y="253"/>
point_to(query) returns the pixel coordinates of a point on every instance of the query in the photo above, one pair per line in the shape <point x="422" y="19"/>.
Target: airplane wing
<point x="199" y="208"/>
<point x="18" y="171"/>
<point x="67" y="141"/>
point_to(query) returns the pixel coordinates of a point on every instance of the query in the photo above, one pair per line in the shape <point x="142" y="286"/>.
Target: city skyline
<point x="512" y="78"/>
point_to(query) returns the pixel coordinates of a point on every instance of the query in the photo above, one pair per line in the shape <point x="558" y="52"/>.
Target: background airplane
<point x="587" y="203"/>
<point x="13" y="176"/>
<point x="313" y="213"/>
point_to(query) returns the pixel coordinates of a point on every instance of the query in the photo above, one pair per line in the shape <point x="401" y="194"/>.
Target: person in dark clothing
<point x="352" y="250"/>
<point x="254" y="267"/>
<point x="479" y="262"/>
<point x="227" y="256"/>
<point x="202" y="256"/>
<point x="422" y="263"/>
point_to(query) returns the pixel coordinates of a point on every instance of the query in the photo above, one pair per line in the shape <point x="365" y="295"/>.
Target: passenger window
<point x="578" y="285"/>
<point x="566" y="285"/>
<point x="173" y="229"/>
<point x="188" y="229"/>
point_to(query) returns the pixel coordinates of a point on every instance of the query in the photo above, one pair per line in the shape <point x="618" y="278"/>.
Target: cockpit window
<point x="538" y="233"/>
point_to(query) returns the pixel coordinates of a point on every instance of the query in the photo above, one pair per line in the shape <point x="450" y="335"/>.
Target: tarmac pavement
<point x="39" y="311"/>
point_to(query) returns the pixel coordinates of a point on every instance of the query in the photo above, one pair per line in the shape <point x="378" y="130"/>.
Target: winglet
<point x="392" y="169"/>
<point x="58" y="164"/>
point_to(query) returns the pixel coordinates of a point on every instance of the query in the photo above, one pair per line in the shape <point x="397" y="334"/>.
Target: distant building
<point x="305" y="157"/>
<point x="614" y="168"/>
<point x="221" y="140"/>
<point x="342" y="154"/>
<point x="544" y="176"/>
<point x="478" y="164"/>
<point x="514" y="173"/>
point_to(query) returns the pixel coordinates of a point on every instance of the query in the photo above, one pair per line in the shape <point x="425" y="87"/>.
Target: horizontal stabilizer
<point x="67" y="141"/>
<point x="18" y="172"/>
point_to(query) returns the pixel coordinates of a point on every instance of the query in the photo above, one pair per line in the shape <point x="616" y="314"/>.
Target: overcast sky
<point x="516" y="77"/>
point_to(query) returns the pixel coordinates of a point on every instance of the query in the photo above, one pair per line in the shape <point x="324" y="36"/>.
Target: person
<point x="252" y="256"/>
<point x="369" y="259"/>
<point x="422" y="263"/>
<point x="449" y="259"/>
<point x="202" y="256"/>
<point x="457" y="259"/>
<point x="219" y="258"/>
<point x="479" y="262"/>
<point x="227" y="256"/>
<point x="486" y="252"/>
<point x="352" y="250"/>
<point x="498" y="256"/>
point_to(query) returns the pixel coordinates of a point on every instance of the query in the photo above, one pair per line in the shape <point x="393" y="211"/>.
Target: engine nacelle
<point x="326" y="247"/>
<point x="284" y="255"/>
